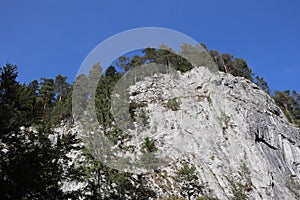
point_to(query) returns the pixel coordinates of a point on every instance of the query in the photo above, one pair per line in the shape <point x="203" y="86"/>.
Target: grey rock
<point x="225" y="125"/>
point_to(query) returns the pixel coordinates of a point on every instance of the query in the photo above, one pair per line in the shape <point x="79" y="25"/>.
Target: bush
<point x="242" y="184"/>
<point x="143" y="118"/>
<point x="149" y="145"/>
<point x="187" y="173"/>
<point x="133" y="106"/>
<point x="173" y="104"/>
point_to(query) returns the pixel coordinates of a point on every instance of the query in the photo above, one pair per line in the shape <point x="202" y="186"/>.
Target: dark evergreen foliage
<point x="31" y="166"/>
<point x="290" y="104"/>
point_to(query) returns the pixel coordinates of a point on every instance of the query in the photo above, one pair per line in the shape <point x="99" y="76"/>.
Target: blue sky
<point x="50" y="37"/>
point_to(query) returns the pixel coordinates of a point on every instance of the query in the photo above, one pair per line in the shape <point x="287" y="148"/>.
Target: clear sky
<point x="50" y="37"/>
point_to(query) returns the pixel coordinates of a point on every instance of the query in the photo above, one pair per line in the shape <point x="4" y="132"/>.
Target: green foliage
<point x="111" y="72"/>
<point x="31" y="166"/>
<point x="103" y="98"/>
<point x="143" y="118"/>
<point x="241" y="184"/>
<point x="240" y="68"/>
<point x="229" y="64"/>
<point x="137" y="114"/>
<point x="238" y="193"/>
<point x="216" y="56"/>
<point x="173" y="104"/>
<point x="46" y="92"/>
<point x="167" y="57"/>
<point x="107" y="183"/>
<point x="148" y="158"/>
<point x="80" y="96"/>
<point x="187" y="177"/>
<point x="123" y="63"/>
<point x="290" y="104"/>
<point x="16" y="104"/>
<point x="133" y="106"/>
<point x="197" y="55"/>
<point x="187" y="173"/>
<point x="136" y="61"/>
<point x="62" y="106"/>
<point x="149" y="145"/>
<point x="209" y="100"/>
<point x="262" y="84"/>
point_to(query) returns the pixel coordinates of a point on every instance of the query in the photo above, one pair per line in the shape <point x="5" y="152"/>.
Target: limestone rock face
<point x="231" y="133"/>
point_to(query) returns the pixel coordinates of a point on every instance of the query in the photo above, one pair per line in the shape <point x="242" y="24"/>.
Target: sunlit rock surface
<point x="233" y="134"/>
<point x="223" y="124"/>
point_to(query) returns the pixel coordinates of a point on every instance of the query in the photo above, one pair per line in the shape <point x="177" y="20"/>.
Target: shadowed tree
<point x="285" y="102"/>
<point x="47" y="92"/>
<point x="123" y="63"/>
<point x="80" y="96"/>
<point x="240" y="68"/>
<point x="61" y="87"/>
<point x="262" y="84"/>
<point x="31" y="166"/>
<point x="216" y="56"/>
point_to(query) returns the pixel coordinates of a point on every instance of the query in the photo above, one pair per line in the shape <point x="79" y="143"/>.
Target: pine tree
<point x="80" y="96"/>
<point x="61" y="87"/>
<point x="47" y="92"/>
<point x="285" y="102"/>
<point x="31" y="165"/>
<point x="240" y="68"/>
<point x="123" y="63"/>
<point x="9" y="103"/>
<point x="262" y="84"/>
<point x="216" y="56"/>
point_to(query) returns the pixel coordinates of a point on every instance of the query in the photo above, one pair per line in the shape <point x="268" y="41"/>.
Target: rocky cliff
<point x="221" y="136"/>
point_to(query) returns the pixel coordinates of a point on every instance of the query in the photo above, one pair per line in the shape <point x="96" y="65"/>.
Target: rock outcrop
<point x="225" y="138"/>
